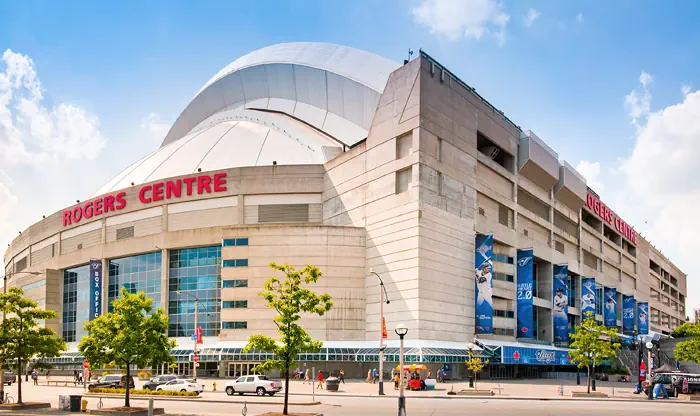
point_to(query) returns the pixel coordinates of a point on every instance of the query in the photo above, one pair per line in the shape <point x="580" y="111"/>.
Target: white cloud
<point x="579" y="17"/>
<point x="455" y="19"/>
<point x="532" y="15"/>
<point x="685" y="89"/>
<point x="154" y="127"/>
<point x="591" y="171"/>
<point x="8" y="204"/>
<point x="31" y="133"/>
<point x="638" y="101"/>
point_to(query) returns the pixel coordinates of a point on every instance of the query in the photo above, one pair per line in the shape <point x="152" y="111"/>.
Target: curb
<point x="200" y="399"/>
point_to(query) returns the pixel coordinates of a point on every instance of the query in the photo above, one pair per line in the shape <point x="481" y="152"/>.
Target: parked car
<point x="158" y="381"/>
<point x="10" y="378"/>
<point x="257" y="384"/>
<point x="111" y="381"/>
<point x="181" y="385"/>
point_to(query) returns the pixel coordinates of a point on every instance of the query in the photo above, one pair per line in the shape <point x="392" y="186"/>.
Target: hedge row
<point x="145" y="392"/>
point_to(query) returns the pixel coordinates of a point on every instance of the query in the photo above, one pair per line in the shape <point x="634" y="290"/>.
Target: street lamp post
<point x="194" y="350"/>
<point x="650" y="346"/>
<point x="382" y="293"/>
<point x="401" y="330"/>
<point x="470" y="348"/>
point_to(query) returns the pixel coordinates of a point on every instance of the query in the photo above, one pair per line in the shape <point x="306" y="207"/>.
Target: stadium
<point x="311" y="153"/>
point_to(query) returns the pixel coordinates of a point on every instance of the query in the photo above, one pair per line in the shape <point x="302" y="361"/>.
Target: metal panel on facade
<point x="310" y="86"/>
<point x="571" y="187"/>
<point x="280" y="81"/>
<point x="254" y="83"/>
<point x="232" y="88"/>
<point x="537" y="161"/>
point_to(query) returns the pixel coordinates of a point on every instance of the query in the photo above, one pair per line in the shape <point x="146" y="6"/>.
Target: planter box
<point x="475" y="393"/>
<point x="592" y="395"/>
<point x="25" y="406"/>
<point x="131" y="411"/>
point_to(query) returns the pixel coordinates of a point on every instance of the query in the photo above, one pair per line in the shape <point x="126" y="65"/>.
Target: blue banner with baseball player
<point x="627" y="314"/>
<point x="525" y="270"/>
<point x="560" y="303"/>
<point x="610" y="307"/>
<point x="484" y="288"/>
<point x="95" y="288"/>
<point x="587" y="297"/>
<point x="643" y="318"/>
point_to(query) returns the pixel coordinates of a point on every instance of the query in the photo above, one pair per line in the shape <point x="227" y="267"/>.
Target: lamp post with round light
<point x="382" y="293"/>
<point x="401" y="330"/>
<point x="470" y="348"/>
<point x="195" y="359"/>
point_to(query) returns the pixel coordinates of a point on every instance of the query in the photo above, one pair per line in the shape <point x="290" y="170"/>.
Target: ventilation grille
<point x="482" y="212"/>
<point x="126" y="232"/>
<point x="525" y="233"/>
<point x="283" y="213"/>
<point x="80" y="246"/>
<point x="503" y="215"/>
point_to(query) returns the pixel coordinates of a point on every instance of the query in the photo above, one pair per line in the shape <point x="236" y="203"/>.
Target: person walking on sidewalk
<point x="320" y="380"/>
<point x="396" y="379"/>
<point x="307" y="376"/>
<point x="369" y="376"/>
<point x="342" y="376"/>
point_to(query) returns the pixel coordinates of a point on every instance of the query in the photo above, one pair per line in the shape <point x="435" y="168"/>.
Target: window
<point x="21" y="264"/>
<point x="235" y="325"/>
<point x="235" y="242"/>
<point x="34" y="285"/>
<point x="559" y="246"/>
<point x="590" y="260"/>
<point x="487" y="147"/>
<point x="503" y="314"/>
<point x="504" y="331"/>
<point x="76" y="302"/>
<point x="503" y="212"/>
<point x="573" y="292"/>
<point x="236" y="263"/>
<point x="195" y="272"/>
<point x="140" y="273"/>
<point x="403" y="180"/>
<point x="403" y="145"/>
<point x="235" y="304"/>
<point x="283" y="213"/>
<point x="227" y="284"/>
<point x="502" y="258"/>
<point x="598" y="299"/>
<point x="503" y="277"/>
<point x="533" y="204"/>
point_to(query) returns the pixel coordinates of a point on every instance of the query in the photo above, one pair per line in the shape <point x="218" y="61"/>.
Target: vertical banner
<point x="484" y="288"/>
<point x="384" y="334"/>
<point x="560" y="303"/>
<point x="643" y="318"/>
<point x="587" y="297"/>
<point x="198" y="331"/>
<point x="610" y="307"/>
<point x="95" y="288"/>
<point x="627" y="314"/>
<point x="525" y="271"/>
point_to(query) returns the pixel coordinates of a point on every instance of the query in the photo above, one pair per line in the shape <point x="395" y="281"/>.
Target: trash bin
<point x="332" y="383"/>
<point x="75" y="402"/>
<point x="471" y="382"/>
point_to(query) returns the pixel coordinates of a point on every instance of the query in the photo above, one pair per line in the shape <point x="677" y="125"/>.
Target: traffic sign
<point x="196" y="365"/>
<point x="516" y="355"/>
<point x="86" y="364"/>
<point x="196" y="358"/>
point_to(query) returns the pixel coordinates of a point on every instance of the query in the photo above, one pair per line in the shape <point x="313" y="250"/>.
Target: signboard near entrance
<point x="86" y="364"/>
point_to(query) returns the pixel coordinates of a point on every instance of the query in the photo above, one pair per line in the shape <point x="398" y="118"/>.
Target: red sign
<point x="607" y="215"/>
<point x="196" y="358"/>
<point x="384" y="335"/>
<point x="199" y="335"/>
<point x="86" y="364"/>
<point x="516" y="355"/>
<point x="159" y="191"/>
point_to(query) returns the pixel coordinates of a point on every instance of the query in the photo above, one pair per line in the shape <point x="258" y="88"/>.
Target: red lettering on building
<point x="159" y="191"/>
<point x="607" y="215"/>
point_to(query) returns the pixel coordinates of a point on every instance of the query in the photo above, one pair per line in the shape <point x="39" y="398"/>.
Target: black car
<point x="9" y="378"/>
<point x="111" y="381"/>
<point x="158" y="380"/>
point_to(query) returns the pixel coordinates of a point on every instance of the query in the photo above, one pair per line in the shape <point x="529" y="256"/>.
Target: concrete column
<point x="241" y="210"/>
<point x="165" y="218"/>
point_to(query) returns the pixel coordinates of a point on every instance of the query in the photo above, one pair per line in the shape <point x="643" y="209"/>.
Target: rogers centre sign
<point x="607" y="215"/>
<point x="159" y="191"/>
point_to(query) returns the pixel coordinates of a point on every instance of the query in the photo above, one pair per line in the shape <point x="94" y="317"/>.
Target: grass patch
<point x="145" y="392"/>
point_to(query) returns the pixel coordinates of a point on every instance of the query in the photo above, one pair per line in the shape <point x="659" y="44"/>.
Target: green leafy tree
<point x="689" y="350"/>
<point x="592" y="344"/>
<point x="685" y="330"/>
<point x="19" y="333"/>
<point x="476" y="364"/>
<point x="132" y="335"/>
<point x="290" y="298"/>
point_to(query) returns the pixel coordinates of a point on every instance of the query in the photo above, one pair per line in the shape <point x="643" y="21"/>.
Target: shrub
<point x="144" y="375"/>
<point x="145" y="392"/>
<point x="105" y="373"/>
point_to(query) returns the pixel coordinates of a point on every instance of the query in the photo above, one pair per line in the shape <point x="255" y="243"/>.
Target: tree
<point x="689" y="350"/>
<point x="475" y="364"/>
<point x="685" y="330"/>
<point x="21" y="338"/>
<point x="289" y="298"/>
<point x="592" y="344"/>
<point x="134" y="334"/>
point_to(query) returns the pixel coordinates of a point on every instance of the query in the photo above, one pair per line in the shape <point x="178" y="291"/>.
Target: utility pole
<point x="382" y="292"/>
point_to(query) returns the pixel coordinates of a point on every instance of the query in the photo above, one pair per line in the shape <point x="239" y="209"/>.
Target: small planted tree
<point x="290" y="298"/>
<point x="592" y="344"/>
<point x="22" y="339"/>
<point x="476" y="364"/>
<point x="132" y="335"/>
<point x="689" y="350"/>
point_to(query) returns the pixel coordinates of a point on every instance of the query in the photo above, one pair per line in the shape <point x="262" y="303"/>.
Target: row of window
<point x="235" y="242"/>
<point x="502" y="258"/>
<point x="234" y="325"/>
<point x="503" y="313"/>
<point x="502" y="276"/>
<point x="34" y="285"/>
<point x="235" y="304"/>
<point x="236" y="263"/>
<point x="228" y="284"/>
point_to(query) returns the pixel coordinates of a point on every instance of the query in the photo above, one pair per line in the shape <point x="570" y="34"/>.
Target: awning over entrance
<point x="523" y="353"/>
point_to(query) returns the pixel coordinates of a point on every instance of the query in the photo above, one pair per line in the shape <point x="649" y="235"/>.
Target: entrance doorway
<point x="240" y="369"/>
<point x="184" y="369"/>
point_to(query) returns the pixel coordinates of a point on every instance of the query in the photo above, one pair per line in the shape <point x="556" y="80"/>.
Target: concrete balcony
<point x="537" y="161"/>
<point x="571" y="188"/>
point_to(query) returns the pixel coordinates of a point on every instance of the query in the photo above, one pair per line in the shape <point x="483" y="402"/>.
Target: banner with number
<point x="95" y="288"/>
<point x="587" y="297"/>
<point x="643" y="318"/>
<point x="482" y="279"/>
<point x="525" y="270"/>
<point x="560" y="303"/>
<point x="610" y="306"/>
<point x="627" y="314"/>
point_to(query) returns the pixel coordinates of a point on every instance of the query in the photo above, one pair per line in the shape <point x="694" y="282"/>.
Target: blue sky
<point x="564" y="69"/>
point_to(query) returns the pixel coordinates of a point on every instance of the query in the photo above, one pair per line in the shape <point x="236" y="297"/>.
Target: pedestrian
<point x="393" y="371"/>
<point x="320" y="380"/>
<point x="80" y="377"/>
<point x="429" y="373"/>
<point x="35" y="377"/>
<point x="307" y="376"/>
<point x="75" y="376"/>
<point x="369" y="376"/>
<point x="396" y="379"/>
<point x="342" y="376"/>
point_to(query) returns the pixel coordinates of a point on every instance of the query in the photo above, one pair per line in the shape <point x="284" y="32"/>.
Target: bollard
<point x="651" y="391"/>
<point x="150" y="406"/>
<point x="613" y="391"/>
<point x="214" y="385"/>
<point x="83" y="405"/>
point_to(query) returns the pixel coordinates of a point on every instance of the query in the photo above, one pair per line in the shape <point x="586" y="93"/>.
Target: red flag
<point x="199" y="335"/>
<point x="384" y="335"/>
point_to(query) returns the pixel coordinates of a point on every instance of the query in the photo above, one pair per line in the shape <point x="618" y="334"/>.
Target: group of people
<point x="319" y="377"/>
<point x="372" y="376"/>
